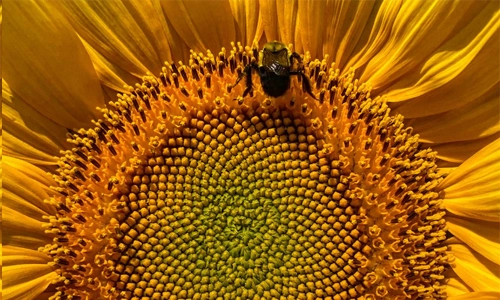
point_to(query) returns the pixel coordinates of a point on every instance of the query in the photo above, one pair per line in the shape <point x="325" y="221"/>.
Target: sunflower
<point x="135" y="168"/>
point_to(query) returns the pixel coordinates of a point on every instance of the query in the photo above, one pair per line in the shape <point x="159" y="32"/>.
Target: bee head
<point x="274" y="46"/>
<point x="274" y="52"/>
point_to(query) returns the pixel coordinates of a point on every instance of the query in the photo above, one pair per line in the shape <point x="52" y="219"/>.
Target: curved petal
<point x="478" y="78"/>
<point x="475" y="120"/>
<point x="29" y="134"/>
<point x="137" y="43"/>
<point x="446" y="167"/>
<point x="455" y="286"/>
<point x="286" y="20"/>
<point x="472" y="190"/>
<point x="332" y="27"/>
<point x="343" y="32"/>
<point x="458" y="152"/>
<point x="22" y="231"/>
<point x="202" y="25"/>
<point x="25" y="188"/>
<point x="246" y="15"/>
<point x="419" y="29"/>
<point x="45" y="63"/>
<point x="452" y="57"/>
<point x="20" y="259"/>
<point x="110" y="94"/>
<point x="479" y="273"/>
<point x="477" y="296"/>
<point x="30" y="281"/>
<point x="179" y="49"/>
<point x="482" y="236"/>
<point x="269" y="15"/>
<point x="12" y="256"/>
<point x="312" y="18"/>
<point x="371" y="41"/>
<point x="109" y="73"/>
<point x="17" y="176"/>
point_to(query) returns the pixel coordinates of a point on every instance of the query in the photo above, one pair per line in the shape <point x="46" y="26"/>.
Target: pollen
<point x="186" y="190"/>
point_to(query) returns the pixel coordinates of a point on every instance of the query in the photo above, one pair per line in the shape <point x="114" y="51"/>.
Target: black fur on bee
<point x="274" y="69"/>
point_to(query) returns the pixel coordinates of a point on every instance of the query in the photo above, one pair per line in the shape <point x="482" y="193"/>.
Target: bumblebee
<point x="275" y="68"/>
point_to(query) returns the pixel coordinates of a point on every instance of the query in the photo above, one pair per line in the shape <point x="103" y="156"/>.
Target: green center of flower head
<point x="186" y="190"/>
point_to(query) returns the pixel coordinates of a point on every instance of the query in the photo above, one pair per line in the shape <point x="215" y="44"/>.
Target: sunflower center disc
<point x="248" y="210"/>
<point x="185" y="190"/>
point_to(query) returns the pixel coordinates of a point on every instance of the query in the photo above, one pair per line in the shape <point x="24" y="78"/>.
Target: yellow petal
<point x="109" y="93"/>
<point x="26" y="281"/>
<point x="477" y="119"/>
<point x="375" y="34"/>
<point x="22" y="231"/>
<point x="346" y="22"/>
<point x="17" y="203"/>
<point x="477" y="296"/>
<point x="202" y="25"/>
<point x="269" y="15"/>
<point x="472" y="190"/>
<point x="478" y="272"/>
<point x="246" y="15"/>
<point x="445" y="165"/>
<point x="482" y="236"/>
<point x="286" y="19"/>
<point x="12" y="256"/>
<point x="420" y="28"/>
<point x="453" y="241"/>
<point x="453" y="56"/>
<point x="312" y="17"/>
<point x="25" y="188"/>
<point x="29" y="134"/>
<point x="45" y="63"/>
<point x="455" y="286"/>
<point x="109" y="73"/>
<point x="15" y="256"/>
<point x="458" y="152"/>
<point x="179" y="50"/>
<point x="480" y="76"/>
<point x="137" y="43"/>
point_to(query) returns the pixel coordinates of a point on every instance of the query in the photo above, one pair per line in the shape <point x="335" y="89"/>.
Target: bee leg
<point x="249" y="84"/>
<point x="296" y="56"/>
<point x="247" y="72"/>
<point x="306" y="84"/>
